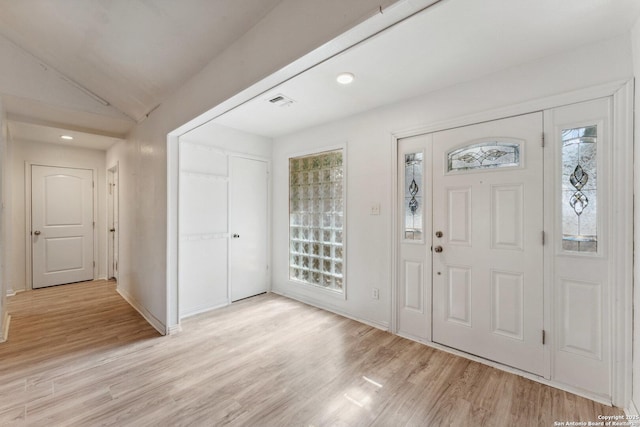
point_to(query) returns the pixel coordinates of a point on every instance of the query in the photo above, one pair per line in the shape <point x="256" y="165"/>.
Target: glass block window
<point x="579" y="189"/>
<point x="413" y="195"/>
<point x="491" y="154"/>
<point x="316" y="220"/>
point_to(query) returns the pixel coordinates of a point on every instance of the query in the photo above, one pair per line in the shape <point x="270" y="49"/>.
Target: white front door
<point x="487" y="241"/>
<point x="248" y="227"/>
<point x="61" y="225"/>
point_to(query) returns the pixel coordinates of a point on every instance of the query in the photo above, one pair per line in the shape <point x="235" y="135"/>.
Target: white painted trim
<point x="621" y="245"/>
<point x="27" y="212"/>
<point x="314" y="303"/>
<point x="150" y="318"/>
<point x="5" y="328"/>
<point x="11" y="292"/>
<point x="203" y="310"/>
<point x="395" y="231"/>
<point x="111" y="199"/>
<point x="175" y="329"/>
<point x="173" y="236"/>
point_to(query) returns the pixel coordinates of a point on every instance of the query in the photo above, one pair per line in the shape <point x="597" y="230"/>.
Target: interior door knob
<point x="37" y="233"/>
<point x="236" y="236"/>
<point x="438" y="249"/>
<point x="113" y="230"/>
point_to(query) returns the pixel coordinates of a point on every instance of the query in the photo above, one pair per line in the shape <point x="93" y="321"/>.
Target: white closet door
<point x="249" y="227"/>
<point x="487" y="262"/>
<point x="203" y="227"/>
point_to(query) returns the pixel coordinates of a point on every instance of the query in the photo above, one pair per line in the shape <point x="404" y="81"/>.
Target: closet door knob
<point x="236" y="236"/>
<point x="37" y="233"/>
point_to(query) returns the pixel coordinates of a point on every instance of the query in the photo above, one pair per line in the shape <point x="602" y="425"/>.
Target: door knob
<point x="113" y="230"/>
<point x="236" y="236"/>
<point x="438" y="234"/>
<point x="438" y="249"/>
<point x="37" y="233"/>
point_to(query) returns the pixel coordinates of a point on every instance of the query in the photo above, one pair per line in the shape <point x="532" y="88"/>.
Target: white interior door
<point x="249" y="227"/>
<point x="61" y="225"/>
<point x="488" y="260"/>
<point x="112" y="223"/>
<point x="414" y="204"/>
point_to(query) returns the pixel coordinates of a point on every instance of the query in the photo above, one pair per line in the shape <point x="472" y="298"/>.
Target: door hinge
<point x="94" y="264"/>
<point x="542" y="139"/>
<point x="544" y="337"/>
<point x="544" y="237"/>
<point x="93" y="184"/>
<point x="94" y="224"/>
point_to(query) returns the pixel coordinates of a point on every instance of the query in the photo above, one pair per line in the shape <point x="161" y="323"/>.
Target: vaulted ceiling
<point x="101" y="66"/>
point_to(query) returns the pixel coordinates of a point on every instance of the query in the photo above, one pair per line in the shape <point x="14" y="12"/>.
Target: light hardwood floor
<point x="80" y="355"/>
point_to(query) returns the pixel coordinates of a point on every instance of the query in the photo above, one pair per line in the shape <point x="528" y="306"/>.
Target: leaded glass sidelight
<point x="316" y="219"/>
<point x="490" y="154"/>
<point x="579" y="189"/>
<point x="413" y="195"/>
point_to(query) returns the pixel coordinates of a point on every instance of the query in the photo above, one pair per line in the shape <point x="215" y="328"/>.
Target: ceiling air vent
<point x="280" y="100"/>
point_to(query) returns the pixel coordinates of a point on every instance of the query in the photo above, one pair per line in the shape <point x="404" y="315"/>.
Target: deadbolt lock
<point x="439" y="234"/>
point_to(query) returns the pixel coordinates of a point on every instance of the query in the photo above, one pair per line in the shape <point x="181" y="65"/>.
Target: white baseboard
<point x="379" y="325"/>
<point x="204" y="309"/>
<point x="153" y="321"/>
<point x="5" y="327"/>
<point x="175" y="329"/>
<point x="11" y="292"/>
<point x="633" y="415"/>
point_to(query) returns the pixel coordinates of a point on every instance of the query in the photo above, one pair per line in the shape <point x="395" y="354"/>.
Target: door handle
<point x="113" y="230"/>
<point x="438" y="249"/>
<point x="236" y="236"/>
<point x="37" y="233"/>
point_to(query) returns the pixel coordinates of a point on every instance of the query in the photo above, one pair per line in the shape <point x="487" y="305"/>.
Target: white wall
<point x="635" y="39"/>
<point x="52" y="155"/>
<point x="4" y="228"/>
<point x="265" y="49"/>
<point x="368" y="138"/>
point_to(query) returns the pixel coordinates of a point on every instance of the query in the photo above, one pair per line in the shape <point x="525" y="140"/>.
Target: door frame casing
<point x="113" y="213"/>
<point x="622" y="226"/>
<point x="28" y="218"/>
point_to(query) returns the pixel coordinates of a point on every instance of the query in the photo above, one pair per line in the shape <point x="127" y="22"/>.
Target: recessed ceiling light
<point x="345" y="78"/>
<point x="67" y="137"/>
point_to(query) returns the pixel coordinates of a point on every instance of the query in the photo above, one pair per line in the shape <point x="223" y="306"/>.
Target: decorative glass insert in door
<point x="413" y="195"/>
<point x="316" y="220"/>
<point x="579" y="189"/>
<point x="489" y="154"/>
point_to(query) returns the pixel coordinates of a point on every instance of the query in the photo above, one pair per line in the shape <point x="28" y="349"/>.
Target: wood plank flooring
<point x="79" y="355"/>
